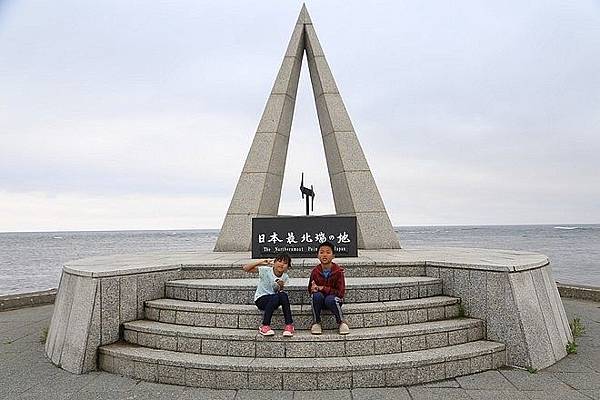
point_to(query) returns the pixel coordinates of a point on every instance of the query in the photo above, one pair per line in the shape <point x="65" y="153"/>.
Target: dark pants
<point x="271" y="302"/>
<point x="331" y="302"/>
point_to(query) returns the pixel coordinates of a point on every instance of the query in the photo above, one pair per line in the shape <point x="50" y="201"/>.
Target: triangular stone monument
<point x="258" y="190"/>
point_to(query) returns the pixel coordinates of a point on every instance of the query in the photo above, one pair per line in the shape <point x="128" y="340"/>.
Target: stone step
<point x="226" y="372"/>
<point x="358" y="290"/>
<point x="249" y="343"/>
<point x="358" y="315"/>
<point x="359" y="267"/>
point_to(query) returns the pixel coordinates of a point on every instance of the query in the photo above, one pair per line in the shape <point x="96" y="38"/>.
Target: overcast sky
<point x="139" y="115"/>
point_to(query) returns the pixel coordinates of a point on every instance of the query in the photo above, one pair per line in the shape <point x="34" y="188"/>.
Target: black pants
<point x="271" y="302"/>
<point x="330" y="302"/>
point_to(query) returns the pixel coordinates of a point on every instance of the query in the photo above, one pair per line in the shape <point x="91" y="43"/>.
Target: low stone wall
<point x="580" y="292"/>
<point x="22" y="300"/>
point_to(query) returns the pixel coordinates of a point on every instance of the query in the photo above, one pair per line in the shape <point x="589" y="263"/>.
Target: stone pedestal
<point x="513" y="293"/>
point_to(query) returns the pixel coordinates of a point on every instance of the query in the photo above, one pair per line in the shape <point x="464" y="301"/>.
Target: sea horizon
<point x="555" y="225"/>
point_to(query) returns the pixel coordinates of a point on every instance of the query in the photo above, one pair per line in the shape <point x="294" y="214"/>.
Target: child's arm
<point x="338" y="289"/>
<point x="253" y="266"/>
<point x="311" y="283"/>
<point x="341" y="286"/>
<point x="313" y="287"/>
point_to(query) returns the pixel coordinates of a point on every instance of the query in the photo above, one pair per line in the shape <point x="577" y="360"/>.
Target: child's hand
<point x="280" y="284"/>
<point x="253" y="266"/>
<point x="313" y="287"/>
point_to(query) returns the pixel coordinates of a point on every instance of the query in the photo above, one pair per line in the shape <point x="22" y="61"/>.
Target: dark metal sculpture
<point x="306" y="194"/>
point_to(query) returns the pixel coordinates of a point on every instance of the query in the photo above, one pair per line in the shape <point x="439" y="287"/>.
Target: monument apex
<point x="258" y="190"/>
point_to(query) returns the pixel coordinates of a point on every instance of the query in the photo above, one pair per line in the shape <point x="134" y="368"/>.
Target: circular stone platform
<point x="125" y="308"/>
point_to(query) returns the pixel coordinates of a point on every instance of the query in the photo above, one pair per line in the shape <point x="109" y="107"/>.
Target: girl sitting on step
<point x="272" y="278"/>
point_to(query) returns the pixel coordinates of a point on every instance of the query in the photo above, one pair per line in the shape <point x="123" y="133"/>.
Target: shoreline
<point x="44" y="297"/>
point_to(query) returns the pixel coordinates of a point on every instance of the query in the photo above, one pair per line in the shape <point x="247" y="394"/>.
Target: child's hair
<point x="285" y="257"/>
<point x="328" y="244"/>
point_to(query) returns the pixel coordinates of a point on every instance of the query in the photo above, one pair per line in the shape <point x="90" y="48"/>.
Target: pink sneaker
<point x="266" y="330"/>
<point x="288" y="330"/>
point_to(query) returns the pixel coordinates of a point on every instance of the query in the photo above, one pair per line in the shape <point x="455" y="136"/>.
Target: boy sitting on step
<point x="269" y="295"/>
<point x="327" y="286"/>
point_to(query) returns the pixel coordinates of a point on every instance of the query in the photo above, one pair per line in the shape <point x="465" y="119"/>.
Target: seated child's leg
<point x="334" y="304"/>
<point x="269" y="303"/>
<point x="317" y="300"/>
<point x="261" y="302"/>
<point x="285" y="305"/>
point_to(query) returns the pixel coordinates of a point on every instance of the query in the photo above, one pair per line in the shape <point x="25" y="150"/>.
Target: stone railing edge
<point x="29" y="299"/>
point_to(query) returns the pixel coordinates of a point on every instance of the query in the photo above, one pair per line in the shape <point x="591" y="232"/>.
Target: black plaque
<point x="301" y="236"/>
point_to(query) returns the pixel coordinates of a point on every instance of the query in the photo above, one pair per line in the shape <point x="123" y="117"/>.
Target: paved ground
<point x="26" y="374"/>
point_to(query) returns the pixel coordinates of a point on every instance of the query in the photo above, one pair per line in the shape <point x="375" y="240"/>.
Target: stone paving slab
<point x="487" y="380"/>
<point x="25" y="369"/>
<point x="381" y="394"/>
<point x="592" y="394"/>
<point x="497" y="395"/>
<point x="526" y="381"/>
<point x="568" y="394"/>
<point x="420" y="393"/>
<point x="246" y="394"/>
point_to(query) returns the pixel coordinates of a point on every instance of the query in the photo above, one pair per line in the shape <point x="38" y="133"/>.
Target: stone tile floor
<point x="26" y="374"/>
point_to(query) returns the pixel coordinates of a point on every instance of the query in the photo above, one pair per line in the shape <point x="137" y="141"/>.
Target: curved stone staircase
<point x="404" y="331"/>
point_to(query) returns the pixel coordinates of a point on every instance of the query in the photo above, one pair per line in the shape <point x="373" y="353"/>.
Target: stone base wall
<point x="521" y="309"/>
<point x="514" y="293"/>
<point x="89" y="311"/>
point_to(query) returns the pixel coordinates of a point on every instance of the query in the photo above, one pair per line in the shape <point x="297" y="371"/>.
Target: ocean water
<point x="33" y="261"/>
